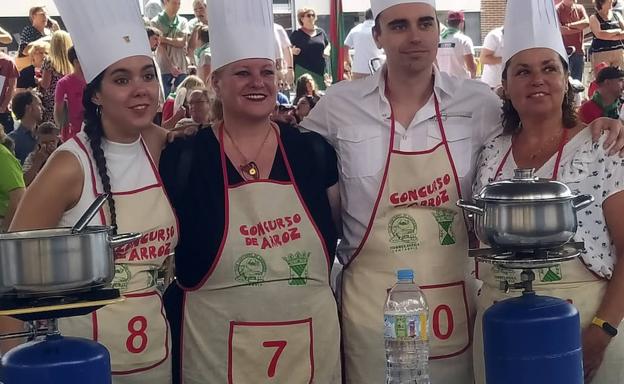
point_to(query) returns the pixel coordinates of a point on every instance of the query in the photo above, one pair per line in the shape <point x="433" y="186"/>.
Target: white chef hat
<point x="240" y="29"/>
<point x="378" y="6"/>
<point x="104" y="32"/>
<point x="531" y="24"/>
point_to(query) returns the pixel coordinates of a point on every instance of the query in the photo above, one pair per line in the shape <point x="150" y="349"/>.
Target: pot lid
<point x="524" y="186"/>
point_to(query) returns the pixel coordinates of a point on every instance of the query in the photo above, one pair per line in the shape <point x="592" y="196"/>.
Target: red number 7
<point x="280" y="345"/>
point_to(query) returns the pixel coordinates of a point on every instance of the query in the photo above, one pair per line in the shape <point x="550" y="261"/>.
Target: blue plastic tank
<point x="57" y="360"/>
<point x="532" y="339"/>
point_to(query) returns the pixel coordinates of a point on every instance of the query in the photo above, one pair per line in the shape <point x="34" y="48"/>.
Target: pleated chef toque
<point x="240" y="29"/>
<point x="378" y="6"/>
<point x="104" y="32"/>
<point x="531" y="24"/>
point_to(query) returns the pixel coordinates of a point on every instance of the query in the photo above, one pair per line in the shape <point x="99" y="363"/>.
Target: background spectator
<point x="492" y="58"/>
<point x="607" y="28"/>
<point x="5" y="36"/>
<point x="171" y="54"/>
<point x="40" y="26"/>
<point x="593" y="86"/>
<point x="574" y="20"/>
<point x="306" y="86"/>
<point x="8" y="71"/>
<point x="27" y="108"/>
<point x="54" y="67"/>
<point x="456" y="50"/>
<point x="283" y="59"/>
<point x="606" y="101"/>
<point x="200" y="20"/>
<point x="68" y="108"/>
<point x="47" y="142"/>
<point x="360" y="39"/>
<point x="171" y="117"/>
<point x="310" y="48"/>
<point x="203" y="57"/>
<point x="152" y="9"/>
<point x="11" y="183"/>
<point x="304" y="106"/>
<point x="30" y="76"/>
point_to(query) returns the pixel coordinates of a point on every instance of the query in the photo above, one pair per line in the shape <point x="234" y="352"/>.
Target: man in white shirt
<point x="360" y="39"/>
<point x="283" y="58"/>
<point x="492" y="58"/>
<point x="455" y="50"/>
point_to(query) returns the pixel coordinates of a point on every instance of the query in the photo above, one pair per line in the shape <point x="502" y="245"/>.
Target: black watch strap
<point x="608" y="328"/>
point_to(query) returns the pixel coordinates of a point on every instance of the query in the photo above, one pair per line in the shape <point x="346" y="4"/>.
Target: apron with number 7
<point x="265" y="312"/>
<point x="415" y="224"/>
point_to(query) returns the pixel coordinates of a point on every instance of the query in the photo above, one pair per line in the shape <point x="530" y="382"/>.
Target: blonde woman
<point x="30" y="76"/>
<point x="310" y="48"/>
<point x="171" y="117"/>
<point x="54" y="67"/>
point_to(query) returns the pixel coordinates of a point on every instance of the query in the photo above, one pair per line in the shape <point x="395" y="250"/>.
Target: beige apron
<point x="265" y="312"/>
<point x="570" y="281"/>
<point x="135" y="332"/>
<point x="415" y="224"/>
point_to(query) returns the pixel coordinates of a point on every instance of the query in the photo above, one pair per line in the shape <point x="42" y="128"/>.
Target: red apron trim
<point x="243" y="183"/>
<point x="426" y="151"/>
<point x="182" y="321"/>
<point x="93" y="180"/>
<point x="94" y="324"/>
<point x="132" y="192"/>
<point x="446" y="145"/>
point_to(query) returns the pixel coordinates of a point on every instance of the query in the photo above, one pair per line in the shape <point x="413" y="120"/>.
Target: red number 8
<point x="137" y="333"/>
<point x="436" y="322"/>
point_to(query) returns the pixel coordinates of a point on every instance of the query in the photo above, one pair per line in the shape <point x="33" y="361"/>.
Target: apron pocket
<point x="448" y="314"/>
<point x="277" y="352"/>
<point x="135" y="332"/>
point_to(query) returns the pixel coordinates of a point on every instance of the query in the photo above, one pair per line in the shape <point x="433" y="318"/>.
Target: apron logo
<point x="122" y="277"/>
<point x="251" y="269"/>
<point x="402" y="230"/>
<point x="298" y="263"/>
<point x="550" y="274"/>
<point x="445" y="219"/>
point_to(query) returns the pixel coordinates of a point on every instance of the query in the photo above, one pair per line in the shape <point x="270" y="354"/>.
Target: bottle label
<point x="405" y="326"/>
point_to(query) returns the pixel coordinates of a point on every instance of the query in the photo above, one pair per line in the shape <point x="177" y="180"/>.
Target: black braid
<point x="94" y="131"/>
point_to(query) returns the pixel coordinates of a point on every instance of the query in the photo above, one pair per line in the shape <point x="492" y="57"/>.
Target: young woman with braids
<point x="116" y="154"/>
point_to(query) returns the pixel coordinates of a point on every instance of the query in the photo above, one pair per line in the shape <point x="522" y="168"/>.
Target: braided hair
<point x="94" y="131"/>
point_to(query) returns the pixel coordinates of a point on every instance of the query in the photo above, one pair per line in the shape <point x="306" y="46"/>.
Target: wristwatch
<point x="605" y="326"/>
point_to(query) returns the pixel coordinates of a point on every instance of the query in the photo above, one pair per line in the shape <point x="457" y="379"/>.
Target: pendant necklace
<point x="249" y="169"/>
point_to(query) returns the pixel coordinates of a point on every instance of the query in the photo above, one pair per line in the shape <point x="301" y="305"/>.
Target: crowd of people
<point x="223" y="140"/>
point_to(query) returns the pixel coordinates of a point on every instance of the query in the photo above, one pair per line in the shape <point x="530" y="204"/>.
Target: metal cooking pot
<point x="58" y="260"/>
<point x="525" y="212"/>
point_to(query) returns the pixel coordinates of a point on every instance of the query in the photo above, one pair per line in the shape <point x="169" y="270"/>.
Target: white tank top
<point x="128" y="167"/>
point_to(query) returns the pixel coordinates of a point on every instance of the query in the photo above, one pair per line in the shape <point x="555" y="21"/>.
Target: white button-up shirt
<point x="355" y="118"/>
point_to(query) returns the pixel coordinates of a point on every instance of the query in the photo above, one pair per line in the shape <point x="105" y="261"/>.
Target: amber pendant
<point x="251" y="169"/>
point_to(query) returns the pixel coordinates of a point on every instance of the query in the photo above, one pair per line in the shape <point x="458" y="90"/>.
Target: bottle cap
<point x="405" y="274"/>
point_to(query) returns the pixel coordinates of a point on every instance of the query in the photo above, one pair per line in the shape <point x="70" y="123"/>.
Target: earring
<point x="98" y="110"/>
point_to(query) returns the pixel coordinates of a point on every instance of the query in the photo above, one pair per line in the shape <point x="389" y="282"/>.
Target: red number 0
<point x="280" y="345"/>
<point x="137" y="333"/>
<point x="436" y="322"/>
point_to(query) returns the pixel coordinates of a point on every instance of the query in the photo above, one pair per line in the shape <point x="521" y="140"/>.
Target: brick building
<point x="493" y="13"/>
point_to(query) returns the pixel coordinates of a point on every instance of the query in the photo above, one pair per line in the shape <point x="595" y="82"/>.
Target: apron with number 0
<point x="570" y="281"/>
<point x="265" y="312"/>
<point x="135" y="331"/>
<point x="415" y="224"/>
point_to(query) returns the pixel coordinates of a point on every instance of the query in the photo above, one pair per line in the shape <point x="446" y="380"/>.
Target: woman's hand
<point x="595" y="342"/>
<point x="615" y="138"/>
<point x="295" y="50"/>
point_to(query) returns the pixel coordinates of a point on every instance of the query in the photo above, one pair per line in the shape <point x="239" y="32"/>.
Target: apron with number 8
<point x="265" y="312"/>
<point x="135" y="331"/>
<point x="415" y="224"/>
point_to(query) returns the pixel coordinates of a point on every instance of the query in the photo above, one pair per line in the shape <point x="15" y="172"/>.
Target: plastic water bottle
<point x="406" y="321"/>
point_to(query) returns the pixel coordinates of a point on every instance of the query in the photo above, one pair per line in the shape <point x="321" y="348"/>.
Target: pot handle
<point x="119" y="240"/>
<point x="581" y="201"/>
<point x="468" y="206"/>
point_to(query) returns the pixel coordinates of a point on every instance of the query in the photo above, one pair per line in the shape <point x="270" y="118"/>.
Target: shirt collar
<point x="443" y="84"/>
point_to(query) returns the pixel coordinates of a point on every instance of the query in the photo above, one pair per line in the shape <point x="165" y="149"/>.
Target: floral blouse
<point x="587" y="169"/>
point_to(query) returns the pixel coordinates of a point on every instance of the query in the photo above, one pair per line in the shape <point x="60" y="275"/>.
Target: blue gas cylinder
<point x="57" y="360"/>
<point x="532" y="339"/>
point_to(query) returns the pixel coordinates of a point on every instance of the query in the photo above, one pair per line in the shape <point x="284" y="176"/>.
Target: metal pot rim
<point x="51" y="233"/>
<point x="522" y="201"/>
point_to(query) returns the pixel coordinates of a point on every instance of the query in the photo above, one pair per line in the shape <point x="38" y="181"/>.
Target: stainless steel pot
<point x="525" y="212"/>
<point x="58" y="260"/>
